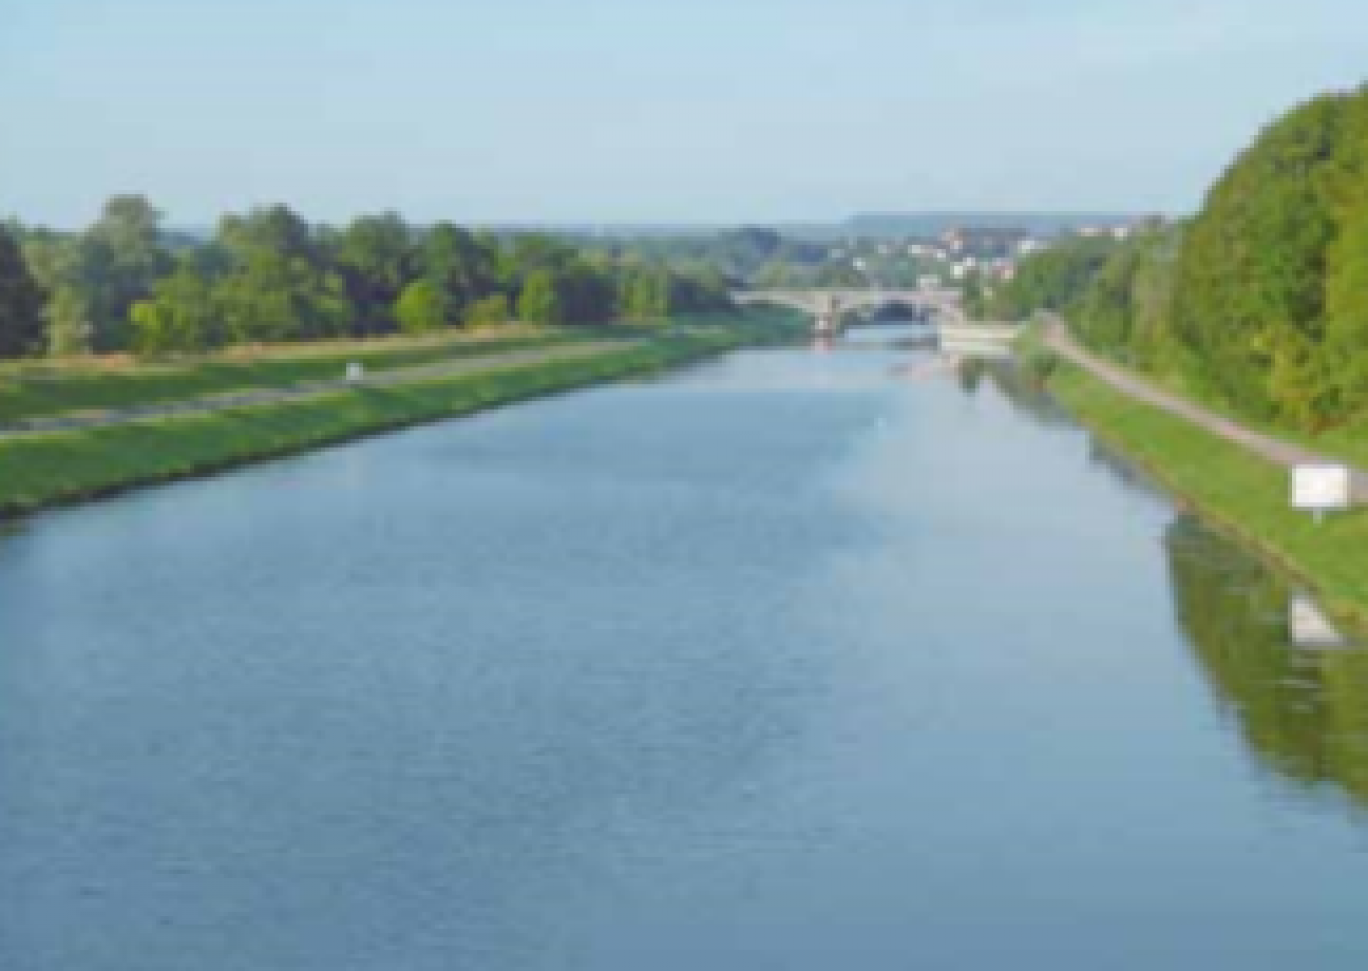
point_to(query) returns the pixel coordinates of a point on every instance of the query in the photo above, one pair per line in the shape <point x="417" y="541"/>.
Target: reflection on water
<point x="970" y="374"/>
<point x="1028" y="397"/>
<point x="1125" y="471"/>
<point x="1302" y="712"/>
<point x="1310" y="628"/>
<point x="785" y="661"/>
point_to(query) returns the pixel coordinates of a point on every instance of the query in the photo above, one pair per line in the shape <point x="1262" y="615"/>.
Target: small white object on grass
<point x="1320" y="488"/>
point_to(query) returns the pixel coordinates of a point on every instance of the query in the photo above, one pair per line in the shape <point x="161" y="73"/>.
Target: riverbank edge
<point x="1239" y="493"/>
<point x="66" y="468"/>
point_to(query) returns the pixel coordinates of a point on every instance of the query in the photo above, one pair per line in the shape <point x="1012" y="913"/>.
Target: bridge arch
<point x="829" y="307"/>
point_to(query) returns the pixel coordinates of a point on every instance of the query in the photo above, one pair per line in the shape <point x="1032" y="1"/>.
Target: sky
<point x="648" y="111"/>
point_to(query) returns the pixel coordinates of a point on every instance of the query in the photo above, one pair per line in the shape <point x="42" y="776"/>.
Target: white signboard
<point x="355" y="372"/>
<point x="1320" y="488"/>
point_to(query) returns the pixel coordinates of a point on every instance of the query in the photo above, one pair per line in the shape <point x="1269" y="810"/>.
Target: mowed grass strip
<point x="42" y="390"/>
<point x="1233" y="488"/>
<point x="44" y="470"/>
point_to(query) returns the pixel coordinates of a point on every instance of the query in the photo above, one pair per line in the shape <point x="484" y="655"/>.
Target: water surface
<point x="781" y="662"/>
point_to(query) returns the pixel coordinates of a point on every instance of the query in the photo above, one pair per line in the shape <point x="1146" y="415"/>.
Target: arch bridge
<point x="830" y="308"/>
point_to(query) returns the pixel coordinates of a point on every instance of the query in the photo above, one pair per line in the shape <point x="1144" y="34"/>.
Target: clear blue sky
<point x="647" y="110"/>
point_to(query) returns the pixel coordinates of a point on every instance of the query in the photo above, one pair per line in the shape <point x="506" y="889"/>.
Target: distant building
<point x="984" y="243"/>
<point x="1116" y="232"/>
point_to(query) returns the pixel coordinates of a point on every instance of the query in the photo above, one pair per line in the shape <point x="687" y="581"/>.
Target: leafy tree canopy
<point x="21" y="302"/>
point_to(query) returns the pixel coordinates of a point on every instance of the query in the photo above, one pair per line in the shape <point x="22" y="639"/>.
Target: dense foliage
<point x="1271" y="293"/>
<point x="269" y="276"/>
<point x="21" y="302"/>
<point x="1260" y="303"/>
<point x="1124" y="308"/>
<point x="1053" y="279"/>
<point x="750" y="255"/>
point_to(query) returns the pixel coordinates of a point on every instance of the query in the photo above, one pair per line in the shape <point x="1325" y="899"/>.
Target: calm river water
<point x="780" y="663"/>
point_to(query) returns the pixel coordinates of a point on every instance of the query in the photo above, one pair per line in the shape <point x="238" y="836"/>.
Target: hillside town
<point x="991" y="254"/>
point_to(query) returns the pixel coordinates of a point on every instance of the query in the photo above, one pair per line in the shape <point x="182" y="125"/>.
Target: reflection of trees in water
<point x="970" y="374"/>
<point x="1014" y="384"/>
<point x="1304" y="713"/>
<point x="1029" y="398"/>
<point x="1124" y="470"/>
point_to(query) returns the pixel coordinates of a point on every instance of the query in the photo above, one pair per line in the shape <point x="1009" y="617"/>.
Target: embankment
<point x="41" y="470"/>
<point x="1238" y="491"/>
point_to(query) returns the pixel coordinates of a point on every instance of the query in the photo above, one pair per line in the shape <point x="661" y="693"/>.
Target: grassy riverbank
<point x="43" y="389"/>
<point x="1238" y="491"/>
<point x="63" y="467"/>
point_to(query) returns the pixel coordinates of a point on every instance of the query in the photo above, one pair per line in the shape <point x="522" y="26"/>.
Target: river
<point x="781" y="662"/>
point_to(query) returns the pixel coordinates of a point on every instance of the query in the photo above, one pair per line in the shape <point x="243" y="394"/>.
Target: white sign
<point x="1318" y="488"/>
<point x="355" y="372"/>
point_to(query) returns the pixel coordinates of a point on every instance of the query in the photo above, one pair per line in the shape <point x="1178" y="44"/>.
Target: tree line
<point x="127" y="284"/>
<point x="1258" y="303"/>
<point x="760" y="256"/>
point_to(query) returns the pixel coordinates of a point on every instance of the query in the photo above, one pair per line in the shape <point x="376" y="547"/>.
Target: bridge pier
<point x="827" y="316"/>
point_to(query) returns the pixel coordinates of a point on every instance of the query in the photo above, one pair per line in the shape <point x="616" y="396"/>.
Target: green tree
<point x="841" y="275"/>
<point x="21" y="302"/>
<point x="703" y="288"/>
<point x="646" y="292"/>
<point x="1055" y="279"/>
<point x="774" y="275"/>
<point x="1345" y="351"/>
<point x="270" y="276"/>
<point x="93" y="278"/>
<point x="493" y="309"/>
<point x="1258" y="282"/>
<point x="540" y="300"/>
<point x="69" y="330"/>
<point x="272" y="297"/>
<point x="974" y="295"/>
<point x="464" y="266"/>
<point x="273" y="229"/>
<point x="118" y="263"/>
<point x="588" y="293"/>
<point x="375" y="256"/>
<point x="181" y="315"/>
<point x="279" y="284"/>
<point x="422" y="307"/>
<point x="744" y="251"/>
